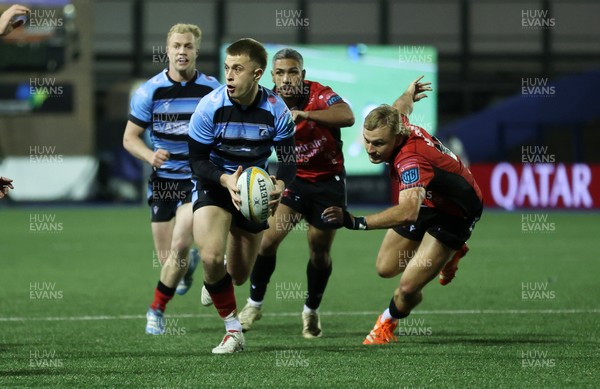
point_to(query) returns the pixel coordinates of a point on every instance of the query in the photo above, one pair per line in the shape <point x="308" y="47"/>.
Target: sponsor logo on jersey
<point x="410" y="176"/>
<point x="334" y="99"/>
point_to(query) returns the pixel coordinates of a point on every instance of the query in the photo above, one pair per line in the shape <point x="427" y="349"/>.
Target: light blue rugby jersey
<point x="164" y="107"/>
<point x="241" y="135"/>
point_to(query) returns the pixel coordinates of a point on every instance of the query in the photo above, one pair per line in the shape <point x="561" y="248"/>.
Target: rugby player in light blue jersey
<point x="163" y="105"/>
<point x="234" y="127"/>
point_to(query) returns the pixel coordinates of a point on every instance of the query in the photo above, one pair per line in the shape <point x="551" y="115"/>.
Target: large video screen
<point x="366" y="76"/>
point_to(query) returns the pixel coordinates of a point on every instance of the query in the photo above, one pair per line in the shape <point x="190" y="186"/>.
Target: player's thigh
<point x="320" y="241"/>
<point x="318" y="197"/>
<point x="211" y="227"/>
<point x="395" y="254"/>
<point x="426" y="264"/>
<point x="280" y="225"/>
<point x="242" y="249"/>
<point x="182" y="231"/>
<point x="162" y="235"/>
<point x="162" y="215"/>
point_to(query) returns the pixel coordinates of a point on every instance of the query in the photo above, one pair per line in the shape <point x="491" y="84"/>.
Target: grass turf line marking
<point x="357" y="313"/>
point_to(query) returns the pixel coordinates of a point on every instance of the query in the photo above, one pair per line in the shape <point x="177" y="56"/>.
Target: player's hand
<point x="276" y="195"/>
<point x="229" y="181"/>
<point x="339" y="216"/>
<point x="5" y="186"/>
<point x="159" y="157"/>
<point x="415" y="92"/>
<point x="333" y="215"/>
<point x="6" y="22"/>
<point x="299" y="115"/>
<point x="416" y="89"/>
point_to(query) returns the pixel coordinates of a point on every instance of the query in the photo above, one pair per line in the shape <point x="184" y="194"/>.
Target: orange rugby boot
<point x="382" y="333"/>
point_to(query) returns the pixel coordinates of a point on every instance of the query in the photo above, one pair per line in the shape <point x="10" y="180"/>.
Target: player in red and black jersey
<point x="439" y="203"/>
<point x="319" y="113"/>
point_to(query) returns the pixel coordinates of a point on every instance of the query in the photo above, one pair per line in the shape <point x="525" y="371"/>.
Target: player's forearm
<point x="339" y="116"/>
<point x="136" y="147"/>
<point x="391" y="217"/>
<point x="404" y="104"/>
<point x="200" y="162"/>
<point x="208" y="171"/>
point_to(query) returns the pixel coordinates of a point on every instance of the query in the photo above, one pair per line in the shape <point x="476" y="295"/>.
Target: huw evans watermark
<point x="290" y="18"/>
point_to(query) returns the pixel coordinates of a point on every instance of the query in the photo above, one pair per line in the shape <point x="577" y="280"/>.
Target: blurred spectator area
<point x="486" y="49"/>
<point x="46" y="81"/>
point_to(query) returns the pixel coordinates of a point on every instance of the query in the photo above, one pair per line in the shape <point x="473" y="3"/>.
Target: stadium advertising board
<point x="511" y="186"/>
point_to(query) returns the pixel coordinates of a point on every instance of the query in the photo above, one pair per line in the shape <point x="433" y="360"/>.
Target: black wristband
<point x="354" y="223"/>
<point x="360" y="223"/>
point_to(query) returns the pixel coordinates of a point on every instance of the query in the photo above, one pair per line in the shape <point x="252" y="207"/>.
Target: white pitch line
<point x="356" y="313"/>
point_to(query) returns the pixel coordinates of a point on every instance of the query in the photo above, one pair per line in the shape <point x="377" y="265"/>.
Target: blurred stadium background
<point x="514" y="82"/>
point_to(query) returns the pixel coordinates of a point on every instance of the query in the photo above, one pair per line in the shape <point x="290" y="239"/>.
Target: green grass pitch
<point x="523" y="311"/>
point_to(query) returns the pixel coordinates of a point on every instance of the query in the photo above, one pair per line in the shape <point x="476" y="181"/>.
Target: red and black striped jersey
<point x="318" y="147"/>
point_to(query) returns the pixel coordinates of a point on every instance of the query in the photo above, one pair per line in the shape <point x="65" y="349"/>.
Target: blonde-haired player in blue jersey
<point x="163" y="106"/>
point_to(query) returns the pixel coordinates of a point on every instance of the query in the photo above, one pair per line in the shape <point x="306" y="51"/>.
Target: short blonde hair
<point x="182" y="28"/>
<point x="386" y="116"/>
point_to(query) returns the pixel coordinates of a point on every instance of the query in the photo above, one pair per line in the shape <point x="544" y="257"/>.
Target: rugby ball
<point x="254" y="185"/>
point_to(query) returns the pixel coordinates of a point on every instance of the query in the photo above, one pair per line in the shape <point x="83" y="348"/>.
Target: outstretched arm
<point x="415" y="92"/>
<point x="406" y="212"/>
<point x="338" y="115"/>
